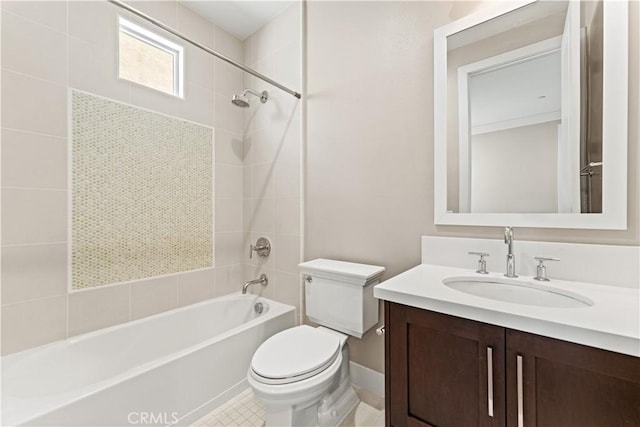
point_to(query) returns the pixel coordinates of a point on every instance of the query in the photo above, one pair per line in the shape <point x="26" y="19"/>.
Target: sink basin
<point x="517" y="292"/>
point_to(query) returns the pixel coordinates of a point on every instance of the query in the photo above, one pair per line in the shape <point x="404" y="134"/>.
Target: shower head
<point x="242" y="100"/>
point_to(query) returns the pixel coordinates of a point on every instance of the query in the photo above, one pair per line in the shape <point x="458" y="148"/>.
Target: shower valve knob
<point x="262" y="248"/>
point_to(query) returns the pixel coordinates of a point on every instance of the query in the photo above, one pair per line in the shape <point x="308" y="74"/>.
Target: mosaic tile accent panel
<point x="142" y="193"/>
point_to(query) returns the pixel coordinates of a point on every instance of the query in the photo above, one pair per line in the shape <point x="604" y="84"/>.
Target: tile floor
<point x="244" y="411"/>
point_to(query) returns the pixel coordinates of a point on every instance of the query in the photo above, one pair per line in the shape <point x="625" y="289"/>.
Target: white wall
<point x="369" y="191"/>
<point x="370" y="109"/>
<point x="515" y="170"/>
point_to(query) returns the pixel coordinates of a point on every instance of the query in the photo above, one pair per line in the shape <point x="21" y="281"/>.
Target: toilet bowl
<point x="301" y="375"/>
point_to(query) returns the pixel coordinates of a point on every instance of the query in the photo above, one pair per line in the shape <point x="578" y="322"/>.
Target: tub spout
<point x="262" y="280"/>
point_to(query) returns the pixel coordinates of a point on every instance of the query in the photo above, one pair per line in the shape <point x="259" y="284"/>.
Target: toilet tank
<point x="339" y="294"/>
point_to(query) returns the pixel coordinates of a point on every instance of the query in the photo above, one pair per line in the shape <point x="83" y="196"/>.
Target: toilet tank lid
<point x="354" y="270"/>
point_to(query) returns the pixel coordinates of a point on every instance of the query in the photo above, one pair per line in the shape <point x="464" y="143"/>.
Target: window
<point x="149" y="59"/>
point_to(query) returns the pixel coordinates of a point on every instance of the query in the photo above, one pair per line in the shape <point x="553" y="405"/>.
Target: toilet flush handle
<point x="381" y="330"/>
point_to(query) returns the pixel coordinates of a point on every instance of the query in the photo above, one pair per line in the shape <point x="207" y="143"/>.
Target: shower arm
<point x="263" y="96"/>
<point x="252" y="92"/>
<point x="226" y="59"/>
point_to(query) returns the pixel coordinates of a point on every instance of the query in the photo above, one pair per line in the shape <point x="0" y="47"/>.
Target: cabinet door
<point x="442" y="371"/>
<point x="569" y="385"/>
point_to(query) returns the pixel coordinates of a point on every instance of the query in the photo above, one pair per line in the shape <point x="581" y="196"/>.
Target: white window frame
<point x="157" y="41"/>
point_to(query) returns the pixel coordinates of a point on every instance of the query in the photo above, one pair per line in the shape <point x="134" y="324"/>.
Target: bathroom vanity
<point x="447" y="371"/>
<point x="466" y="346"/>
<point x="456" y="359"/>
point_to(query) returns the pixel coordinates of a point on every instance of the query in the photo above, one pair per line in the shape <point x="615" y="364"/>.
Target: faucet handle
<point x="482" y="264"/>
<point x="541" y="269"/>
<point x="262" y="247"/>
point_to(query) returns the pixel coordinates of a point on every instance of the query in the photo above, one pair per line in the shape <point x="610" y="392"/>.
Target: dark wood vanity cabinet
<point x="444" y="371"/>
<point x="566" y="384"/>
<point x="437" y="370"/>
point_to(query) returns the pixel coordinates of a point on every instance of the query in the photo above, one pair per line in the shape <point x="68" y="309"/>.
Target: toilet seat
<point x="294" y="355"/>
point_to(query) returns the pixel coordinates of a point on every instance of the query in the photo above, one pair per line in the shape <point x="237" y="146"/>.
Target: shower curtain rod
<point x="206" y="49"/>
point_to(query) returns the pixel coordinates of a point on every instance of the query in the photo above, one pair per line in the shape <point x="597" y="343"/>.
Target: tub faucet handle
<point x="262" y="248"/>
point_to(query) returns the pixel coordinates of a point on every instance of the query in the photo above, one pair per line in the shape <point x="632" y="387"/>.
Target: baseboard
<point x="367" y="379"/>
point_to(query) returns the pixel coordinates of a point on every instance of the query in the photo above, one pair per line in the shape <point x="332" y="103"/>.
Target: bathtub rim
<point x="41" y="406"/>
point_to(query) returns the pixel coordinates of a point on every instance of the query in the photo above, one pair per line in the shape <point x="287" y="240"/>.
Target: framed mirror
<point x="531" y="116"/>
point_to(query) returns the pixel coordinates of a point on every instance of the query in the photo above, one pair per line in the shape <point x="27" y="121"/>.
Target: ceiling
<point x="239" y="18"/>
<point x="524" y="91"/>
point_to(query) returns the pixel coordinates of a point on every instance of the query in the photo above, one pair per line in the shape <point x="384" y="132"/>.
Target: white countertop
<point x="611" y="323"/>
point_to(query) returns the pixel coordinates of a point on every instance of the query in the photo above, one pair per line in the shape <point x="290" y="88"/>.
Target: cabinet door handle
<point x="520" y="392"/>
<point x="490" y="380"/>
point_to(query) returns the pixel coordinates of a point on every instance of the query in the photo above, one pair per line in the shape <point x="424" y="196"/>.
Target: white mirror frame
<point x="614" y="129"/>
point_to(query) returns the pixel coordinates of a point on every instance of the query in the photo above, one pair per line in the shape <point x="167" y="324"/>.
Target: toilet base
<point x="329" y="412"/>
<point x="332" y="411"/>
<point x="323" y="403"/>
<point x="290" y="416"/>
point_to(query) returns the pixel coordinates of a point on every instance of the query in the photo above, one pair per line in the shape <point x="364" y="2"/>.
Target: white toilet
<point x="301" y="375"/>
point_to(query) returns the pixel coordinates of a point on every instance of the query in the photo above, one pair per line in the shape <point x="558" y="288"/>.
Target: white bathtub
<point x="167" y="369"/>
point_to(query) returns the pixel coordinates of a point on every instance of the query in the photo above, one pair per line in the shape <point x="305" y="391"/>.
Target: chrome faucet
<point x="262" y="280"/>
<point x="511" y="258"/>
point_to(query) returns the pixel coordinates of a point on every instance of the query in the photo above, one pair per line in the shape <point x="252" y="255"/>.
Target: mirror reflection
<point x="525" y="112"/>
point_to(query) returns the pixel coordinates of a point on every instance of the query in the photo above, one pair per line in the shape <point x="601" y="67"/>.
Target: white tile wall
<point x="229" y="216"/>
<point x="196" y="286"/>
<point x="33" y="271"/>
<point x="272" y="162"/>
<point x="33" y="216"/>
<point x="32" y="104"/>
<point x="93" y="21"/>
<point x="34" y="322"/>
<point x="229" y="279"/>
<point x="196" y="28"/>
<point x="229" y="149"/>
<point x="228" y="181"/>
<point x="47" y="48"/>
<point x="199" y="109"/>
<point x="226" y="118"/>
<point x="165" y="11"/>
<point x="153" y="296"/>
<point x="47" y="58"/>
<point x="52" y="14"/>
<point x="227" y="81"/>
<point x="91" y="69"/>
<point x="98" y="308"/>
<point x="33" y="160"/>
<point x="200" y="72"/>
